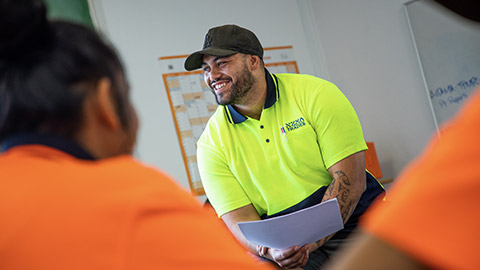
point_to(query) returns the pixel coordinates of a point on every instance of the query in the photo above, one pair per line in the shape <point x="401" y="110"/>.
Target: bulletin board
<point x="192" y="103"/>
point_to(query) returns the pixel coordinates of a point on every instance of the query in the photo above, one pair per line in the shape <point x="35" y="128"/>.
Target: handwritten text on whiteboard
<point x="453" y="93"/>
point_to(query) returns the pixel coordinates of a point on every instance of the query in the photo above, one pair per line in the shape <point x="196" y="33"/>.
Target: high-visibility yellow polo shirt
<point x="306" y="126"/>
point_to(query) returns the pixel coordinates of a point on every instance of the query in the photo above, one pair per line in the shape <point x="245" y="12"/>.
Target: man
<point x="431" y="220"/>
<point x="277" y="144"/>
<point x="71" y="195"/>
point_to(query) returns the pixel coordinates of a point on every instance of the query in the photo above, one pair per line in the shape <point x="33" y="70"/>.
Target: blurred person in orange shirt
<point x="71" y="194"/>
<point x="431" y="219"/>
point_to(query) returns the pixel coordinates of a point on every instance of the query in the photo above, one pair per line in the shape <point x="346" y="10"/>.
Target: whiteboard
<point x="448" y="50"/>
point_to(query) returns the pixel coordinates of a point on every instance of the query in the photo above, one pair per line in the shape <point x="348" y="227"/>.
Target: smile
<point x="219" y="86"/>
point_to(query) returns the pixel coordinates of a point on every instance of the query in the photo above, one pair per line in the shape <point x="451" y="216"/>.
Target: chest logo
<point x="300" y="122"/>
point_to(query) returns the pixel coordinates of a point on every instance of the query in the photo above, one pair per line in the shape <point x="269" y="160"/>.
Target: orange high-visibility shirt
<point x="433" y="211"/>
<point x="60" y="212"/>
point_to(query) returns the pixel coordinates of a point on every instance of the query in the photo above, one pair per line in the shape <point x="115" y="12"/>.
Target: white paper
<point x="295" y="229"/>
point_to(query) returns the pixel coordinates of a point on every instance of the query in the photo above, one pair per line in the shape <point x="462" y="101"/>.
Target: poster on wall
<point x="192" y="102"/>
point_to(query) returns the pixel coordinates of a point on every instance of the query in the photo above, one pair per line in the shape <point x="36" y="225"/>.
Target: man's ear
<point x="107" y="114"/>
<point x="253" y="61"/>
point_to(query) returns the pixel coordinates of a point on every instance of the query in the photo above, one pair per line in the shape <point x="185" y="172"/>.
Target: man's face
<point x="228" y="77"/>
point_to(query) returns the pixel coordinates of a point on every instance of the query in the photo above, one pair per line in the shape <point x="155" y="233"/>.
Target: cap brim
<point x="195" y="59"/>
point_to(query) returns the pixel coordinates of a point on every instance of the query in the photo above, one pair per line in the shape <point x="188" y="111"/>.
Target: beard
<point x="239" y="89"/>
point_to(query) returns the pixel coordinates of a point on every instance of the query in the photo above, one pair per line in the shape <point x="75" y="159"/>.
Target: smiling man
<point x="277" y="144"/>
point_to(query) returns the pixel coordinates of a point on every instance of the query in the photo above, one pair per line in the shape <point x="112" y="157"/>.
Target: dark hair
<point x="465" y="8"/>
<point x="47" y="69"/>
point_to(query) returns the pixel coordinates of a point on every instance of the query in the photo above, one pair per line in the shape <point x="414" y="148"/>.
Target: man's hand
<point x="288" y="258"/>
<point x="293" y="257"/>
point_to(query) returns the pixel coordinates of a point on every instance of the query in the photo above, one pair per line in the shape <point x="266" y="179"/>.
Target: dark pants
<point x="321" y="255"/>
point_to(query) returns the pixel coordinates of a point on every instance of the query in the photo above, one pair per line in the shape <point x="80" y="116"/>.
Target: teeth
<point x="219" y="85"/>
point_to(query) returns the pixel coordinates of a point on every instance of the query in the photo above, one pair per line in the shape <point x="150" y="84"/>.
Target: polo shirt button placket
<point x="267" y="140"/>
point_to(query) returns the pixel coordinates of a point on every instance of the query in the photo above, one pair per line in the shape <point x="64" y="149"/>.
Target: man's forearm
<point x="340" y="189"/>
<point x="241" y="238"/>
<point x="231" y="219"/>
<point x="348" y="184"/>
<point x="347" y="192"/>
<point x="291" y="257"/>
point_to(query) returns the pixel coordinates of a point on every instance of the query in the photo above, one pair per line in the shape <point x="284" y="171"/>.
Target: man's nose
<point x="214" y="74"/>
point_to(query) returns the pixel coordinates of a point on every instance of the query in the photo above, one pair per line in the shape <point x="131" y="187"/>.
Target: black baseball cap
<point x="223" y="41"/>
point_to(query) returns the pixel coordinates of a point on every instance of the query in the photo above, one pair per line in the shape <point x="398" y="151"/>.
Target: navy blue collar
<point x="58" y="142"/>
<point x="272" y="96"/>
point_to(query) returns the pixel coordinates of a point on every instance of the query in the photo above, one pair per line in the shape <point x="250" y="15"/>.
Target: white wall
<point x="363" y="46"/>
<point x="370" y="56"/>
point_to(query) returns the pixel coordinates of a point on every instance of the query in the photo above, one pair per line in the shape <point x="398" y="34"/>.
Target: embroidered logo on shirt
<point x="300" y="122"/>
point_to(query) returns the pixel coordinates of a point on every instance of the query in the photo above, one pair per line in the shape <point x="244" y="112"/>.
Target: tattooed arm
<point x="348" y="184"/>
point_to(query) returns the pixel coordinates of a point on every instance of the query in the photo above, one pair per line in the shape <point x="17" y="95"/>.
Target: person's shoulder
<point x="126" y="168"/>
<point x="136" y="179"/>
<point x="218" y="117"/>
<point x="216" y="123"/>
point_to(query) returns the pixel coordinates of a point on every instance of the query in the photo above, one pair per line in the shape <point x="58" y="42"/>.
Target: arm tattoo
<point x="347" y="210"/>
<point x="340" y="188"/>
<point x="343" y="177"/>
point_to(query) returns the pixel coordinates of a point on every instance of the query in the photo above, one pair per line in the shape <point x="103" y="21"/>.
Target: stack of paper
<point x="295" y="229"/>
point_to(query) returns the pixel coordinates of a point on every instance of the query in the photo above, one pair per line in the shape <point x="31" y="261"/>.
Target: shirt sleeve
<point x="339" y="133"/>
<point x="222" y="188"/>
